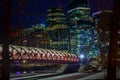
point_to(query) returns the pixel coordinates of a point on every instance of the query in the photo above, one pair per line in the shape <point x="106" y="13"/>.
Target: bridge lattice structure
<point x="40" y="55"/>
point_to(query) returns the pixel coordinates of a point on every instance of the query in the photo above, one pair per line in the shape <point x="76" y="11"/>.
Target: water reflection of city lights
<point x="24" y="61"/>
<point x="32" y="72"/>
<point x="24" y="72"/>
<point x="17" y="61"/>
<point x="18" y="73"/>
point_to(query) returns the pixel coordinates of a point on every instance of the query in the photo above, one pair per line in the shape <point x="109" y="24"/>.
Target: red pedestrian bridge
<point x="32" y="54"/>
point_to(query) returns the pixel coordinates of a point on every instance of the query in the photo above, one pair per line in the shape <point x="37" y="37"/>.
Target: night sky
<point x="34" y="11"/>
<point x="25" y="13"/>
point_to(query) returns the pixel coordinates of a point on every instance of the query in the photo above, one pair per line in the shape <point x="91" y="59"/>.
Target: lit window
<point x="39" y="35"/>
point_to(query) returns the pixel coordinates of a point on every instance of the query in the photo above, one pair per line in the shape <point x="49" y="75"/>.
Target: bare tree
<point x="5" y="41"/>
<point x="111" y="70"/>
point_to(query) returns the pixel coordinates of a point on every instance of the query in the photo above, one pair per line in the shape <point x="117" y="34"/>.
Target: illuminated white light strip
<point x="98" y="12"/>
<point x="78" y="9"/>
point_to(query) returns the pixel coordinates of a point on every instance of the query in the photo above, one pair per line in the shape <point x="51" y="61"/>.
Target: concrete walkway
<point x="59" y="77"/>
<point x="24" y="76"/>
<point x="94" y="77"/>
<point x="72" y="76"/>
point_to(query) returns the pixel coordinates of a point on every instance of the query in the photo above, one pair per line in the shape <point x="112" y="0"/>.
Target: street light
<point x="82" y="56"/>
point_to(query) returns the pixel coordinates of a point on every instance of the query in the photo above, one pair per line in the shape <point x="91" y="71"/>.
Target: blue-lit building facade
<point x="82" y="32"/>
<point x="103" y="20"/>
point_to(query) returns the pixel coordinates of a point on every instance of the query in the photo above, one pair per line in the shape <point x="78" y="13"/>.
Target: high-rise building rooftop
<point x="77" y="3"/>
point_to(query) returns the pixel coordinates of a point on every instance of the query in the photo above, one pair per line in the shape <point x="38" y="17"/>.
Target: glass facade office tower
<point x="103" y="20"/>
<point x="57" y="29"/>
<point x="83" y="35"/>
<point x="35" y="36"/>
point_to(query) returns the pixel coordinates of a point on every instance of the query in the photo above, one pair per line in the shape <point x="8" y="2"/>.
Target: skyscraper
<point x="57" y="29"/>
<point x="103" y="22"/>
<point x="83" y="35"/>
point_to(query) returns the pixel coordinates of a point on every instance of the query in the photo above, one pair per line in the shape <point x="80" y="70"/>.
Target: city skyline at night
<point x="27" y="13"/>
<point x="24" y="10"/>
<point x="59" y="39"/>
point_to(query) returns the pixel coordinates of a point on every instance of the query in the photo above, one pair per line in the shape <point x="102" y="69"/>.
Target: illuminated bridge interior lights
<point x="28" y="53"/>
